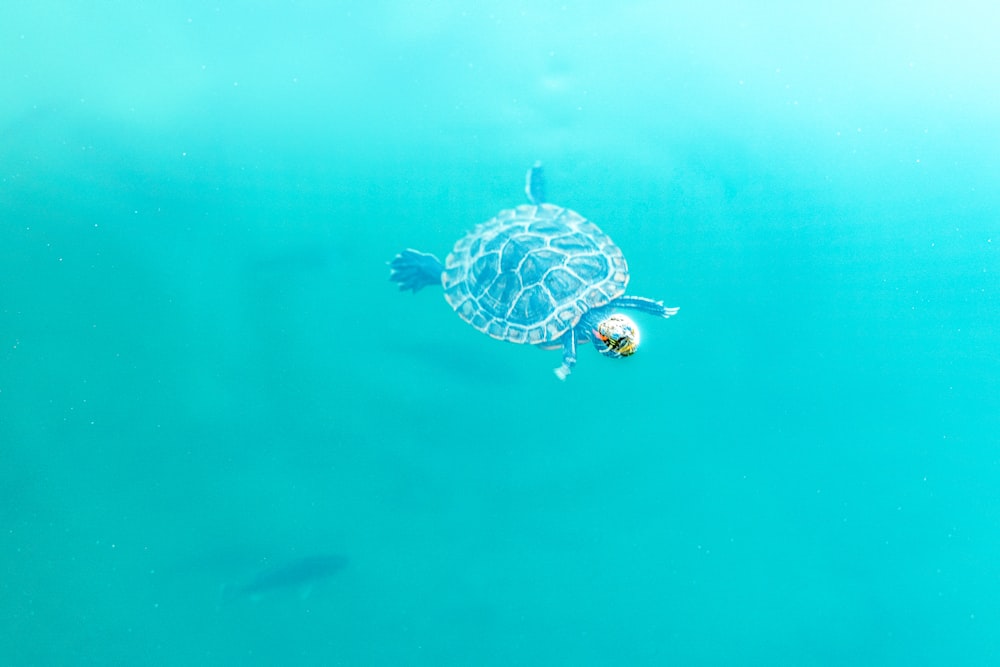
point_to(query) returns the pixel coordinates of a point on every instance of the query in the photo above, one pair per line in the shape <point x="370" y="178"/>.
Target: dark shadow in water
<point x="298" y="576"/>
<point x="296" y="573"/>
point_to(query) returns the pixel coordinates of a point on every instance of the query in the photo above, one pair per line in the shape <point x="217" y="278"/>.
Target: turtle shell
<point x="529" y="274"/>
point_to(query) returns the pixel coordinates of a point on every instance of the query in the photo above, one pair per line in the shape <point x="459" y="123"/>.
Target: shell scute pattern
<point x="588" y="266"/>
<point x="481" y="274"/>
<point x="533" y="300"/>
<point x="534" y="267"/>
<point x="530" y="273"/>
<point x="517" y="249"/>
<point x="560" y="281"/>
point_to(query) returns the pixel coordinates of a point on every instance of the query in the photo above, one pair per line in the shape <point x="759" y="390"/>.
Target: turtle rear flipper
<point x="415" y="270"/>
<point x="534" y="184"/>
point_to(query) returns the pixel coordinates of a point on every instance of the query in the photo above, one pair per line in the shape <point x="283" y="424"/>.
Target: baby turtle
<point x="538" y="274"/>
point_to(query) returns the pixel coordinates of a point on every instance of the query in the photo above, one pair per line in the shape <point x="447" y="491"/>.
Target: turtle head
<point x="616" y="336"/>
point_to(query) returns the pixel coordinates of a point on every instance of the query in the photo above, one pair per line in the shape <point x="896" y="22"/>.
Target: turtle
<point x="536" y="274"/>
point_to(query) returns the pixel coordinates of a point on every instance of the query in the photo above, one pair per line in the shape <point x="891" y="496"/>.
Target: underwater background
<point x="226" y="438"/>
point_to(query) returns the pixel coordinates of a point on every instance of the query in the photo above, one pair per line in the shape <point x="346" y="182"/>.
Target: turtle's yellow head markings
<point x="616" y="336"/>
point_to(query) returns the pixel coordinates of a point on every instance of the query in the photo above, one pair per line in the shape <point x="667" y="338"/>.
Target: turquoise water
<point x="226" y="438"/>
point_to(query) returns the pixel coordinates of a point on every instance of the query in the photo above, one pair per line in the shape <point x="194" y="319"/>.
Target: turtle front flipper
<point x="414" y="270"/>
<point x="534" y="184"/>
<point x="645" y="305"/>
<point x="569" y="355"/>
